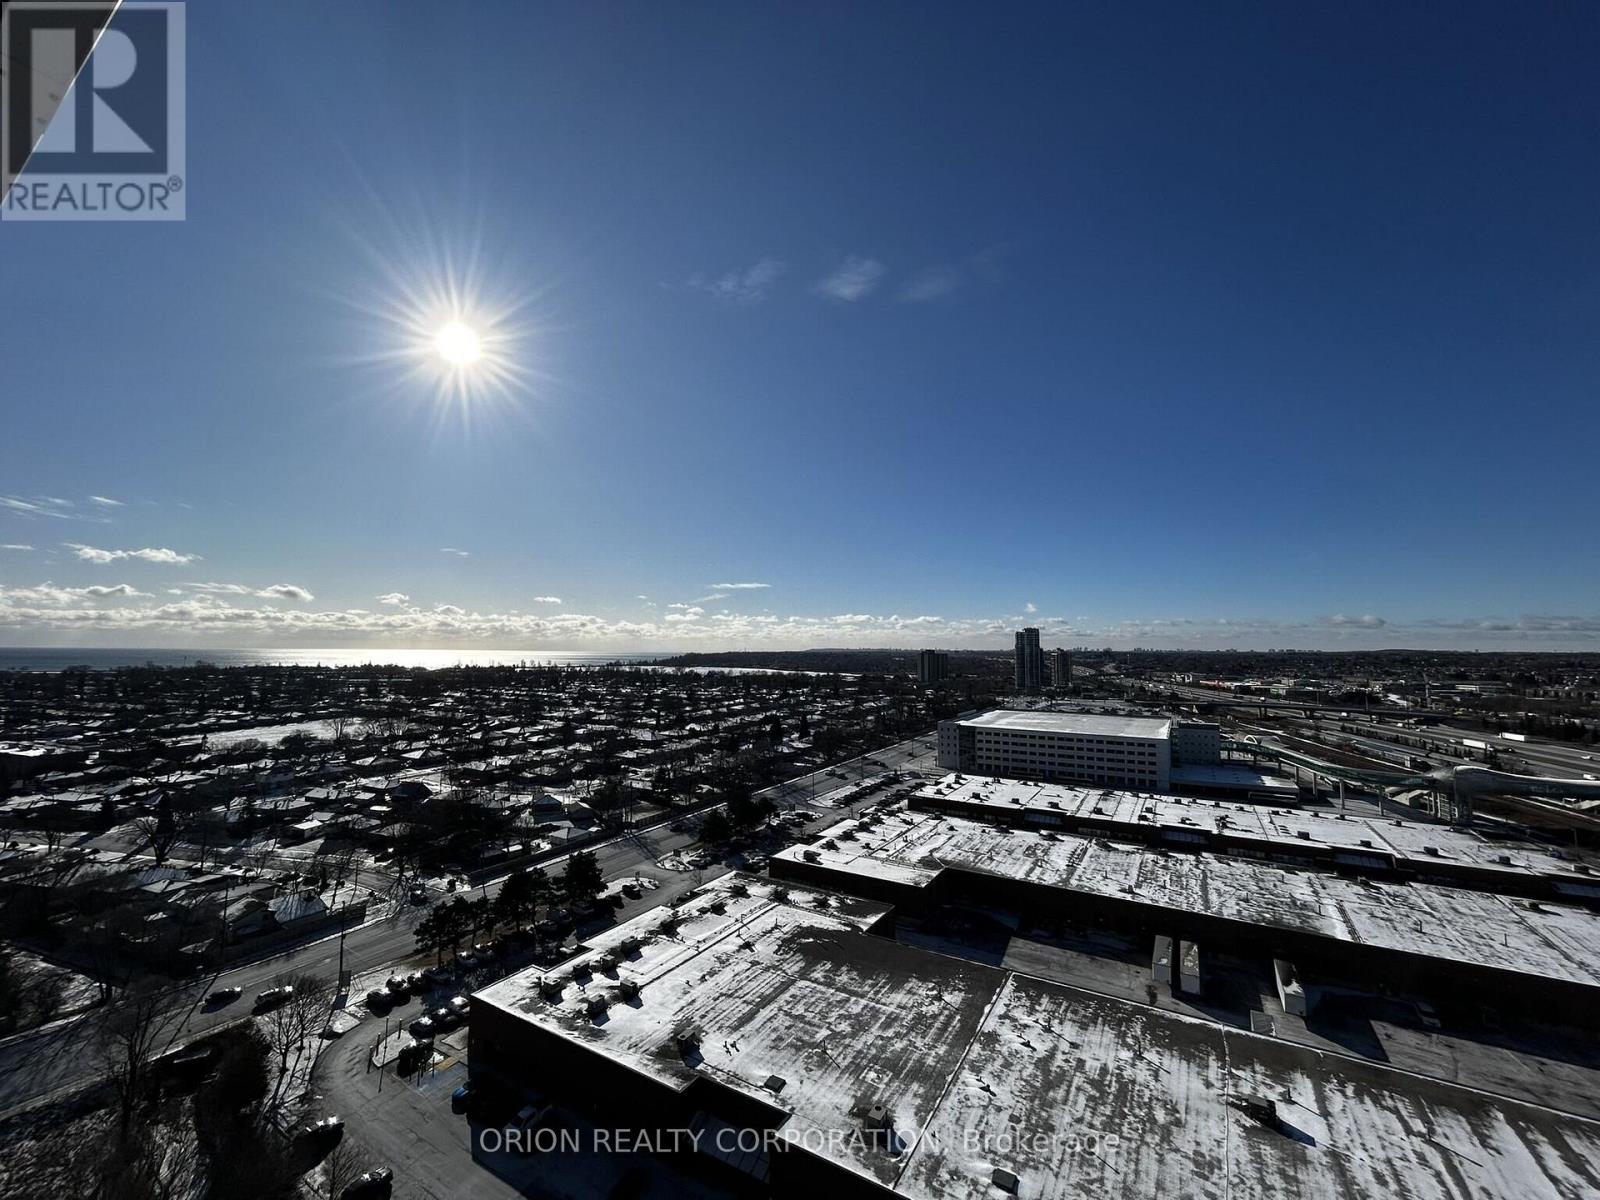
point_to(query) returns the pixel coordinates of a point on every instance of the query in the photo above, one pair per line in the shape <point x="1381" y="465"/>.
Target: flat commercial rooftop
<point x="982" y="1069"/>
<point x="1479" y="929"/>
<point x="1281" y="829"/>
<point x="1234" y="776"/>
<point x="1081" y="724"/>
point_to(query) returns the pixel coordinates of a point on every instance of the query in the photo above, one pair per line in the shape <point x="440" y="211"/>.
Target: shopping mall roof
<point x="984" y="1075"/>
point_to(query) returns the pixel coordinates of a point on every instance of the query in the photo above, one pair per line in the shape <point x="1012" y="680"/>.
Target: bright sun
<point x="458" y="344"/>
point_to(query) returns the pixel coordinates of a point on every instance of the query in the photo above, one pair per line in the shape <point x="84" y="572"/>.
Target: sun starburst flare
<point x="437" y="330"/>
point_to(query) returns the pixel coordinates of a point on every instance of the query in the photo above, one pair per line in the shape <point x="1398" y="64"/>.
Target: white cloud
<point x="737" y="587"/>
<point x="449" y="610"/>
<point x="49" y="594"/>
<point x="707" y="599"/>
<point x="930" y="284"/>
<point x="105" y="501"/>
<point x="34" y="508"/>
<point x="392" y="598"/>
<point x="853" y="279"/>
<point x="1030" y="607"/>
<point x="14" y="546"/>
<point x="547" y="599"/>
<point x="641" y="596"/>
<point x="278" y="591"/>
<point x="148" y="554"/>
<point x="221" y="589"/>
<point x="1366" y="621"/>
<point x="749" y="285"/>
<point x="453" y="550"/>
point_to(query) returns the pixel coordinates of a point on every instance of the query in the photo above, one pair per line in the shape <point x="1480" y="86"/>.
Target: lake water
<point x="23" y="658"/>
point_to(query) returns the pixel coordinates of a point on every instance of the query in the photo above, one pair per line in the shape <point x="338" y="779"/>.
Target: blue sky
<point x="1152" y="324"/>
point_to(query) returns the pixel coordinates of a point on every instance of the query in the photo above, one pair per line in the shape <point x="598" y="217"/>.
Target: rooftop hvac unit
<point x="1005" y="1180"/>
<point x="1259" y="1108"/>
<point x="596" y="1006"/>
<point x="629" y="989"/>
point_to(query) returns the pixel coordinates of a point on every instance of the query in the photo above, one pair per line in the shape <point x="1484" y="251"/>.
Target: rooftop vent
<point x="1005" y="1180"/>
<point x="1367" y="843"/>
<point x="775" y="1084"/>
<point x="1259" y="1108"/>
<point x="1303" y="834"/>
<point x="1432" y="851"/>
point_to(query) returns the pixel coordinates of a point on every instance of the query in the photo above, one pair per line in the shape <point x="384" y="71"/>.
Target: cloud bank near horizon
<point x="110" y="615"/>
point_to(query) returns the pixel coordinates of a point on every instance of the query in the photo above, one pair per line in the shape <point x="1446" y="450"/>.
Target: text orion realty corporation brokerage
<point x="726" y="1140"/>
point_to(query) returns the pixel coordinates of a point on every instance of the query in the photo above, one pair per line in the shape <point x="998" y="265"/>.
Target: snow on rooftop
<point x="1479" y="928"/>
<point x="1083" y="724"/>
<point x="980" y="1070"/>
<point x="1086" y="1096"/>
<point x="1281" y="826"/>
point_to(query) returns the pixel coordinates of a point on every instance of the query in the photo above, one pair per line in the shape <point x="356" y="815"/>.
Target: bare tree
<point x="341" y="866"/>
<point x="340" y="1169"/>
<point x="301" y="1016"/>
<point x="129" y="1036"/>
<point x="162" y="830"/>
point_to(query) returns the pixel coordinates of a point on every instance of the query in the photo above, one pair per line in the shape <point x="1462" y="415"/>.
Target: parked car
<point x="274" y="996"/>
<point x="377" y="1182"/>
<point x="416" y="983"/>
<point x="379" y="999"/>
<point x="422" y="1027"/>
<point x="225" y="995"/>
<point x="418" y="894"/>
<point x="396" y="985"/>
<point x="328" y="1129"/>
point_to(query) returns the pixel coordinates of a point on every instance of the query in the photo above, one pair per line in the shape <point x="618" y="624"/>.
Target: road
<point x="412" y="1128"/>
<point x="60" y="1058"/>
